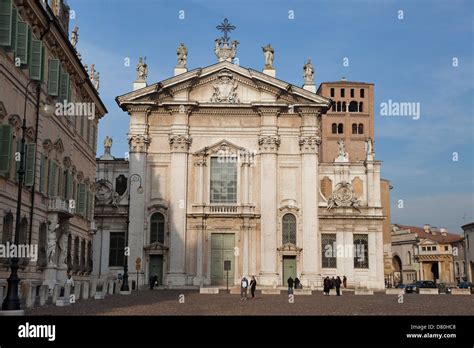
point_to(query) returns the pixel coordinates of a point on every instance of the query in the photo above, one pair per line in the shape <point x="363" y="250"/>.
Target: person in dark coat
<point x="344" y="282"/>
<point x="290" y="285"/>
<point x="297" y="283"/>
<point x="253" y="285"/>
<point x="327" y="284"/>
<point x="338" y="283"/>
<point x="333" y="282"/>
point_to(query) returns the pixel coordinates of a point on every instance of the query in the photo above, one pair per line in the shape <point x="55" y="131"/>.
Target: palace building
<point x="232" y="164"/>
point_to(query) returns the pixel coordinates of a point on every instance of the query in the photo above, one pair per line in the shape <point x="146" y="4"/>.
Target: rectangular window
<point x="81" y="199"/>
<point x="446" y="248"/>
<point x="52" y="179"/>
<point x="116" y="249"/>
<point x="343" y="92"/>
<point x="63" y="87"/>
<point x="423" y="248"/>
<point x="223" y="180"/>
<point x="352" y="92"/>
<point x="53" y="77"/>
<point x="6" y="19"/>
<point x="6" y="140"/>
<point x="433" y="248"/>
<point x="332" y="92"/>
<point x="361" y="251"/>
<point x="328" y="250"/>
<point x="362" y="93"/>
<point x="36" y="60"/>
<point x="30" y="164"/>
<point x="22" y="42"/>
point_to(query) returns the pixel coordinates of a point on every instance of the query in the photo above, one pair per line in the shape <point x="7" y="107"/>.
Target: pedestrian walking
<point x="338" y="286"/>
<point x="344" y="282"/>
<point x="244" y="284"/>
<point x="290" y="285"/>
<point x="253" y="285"/>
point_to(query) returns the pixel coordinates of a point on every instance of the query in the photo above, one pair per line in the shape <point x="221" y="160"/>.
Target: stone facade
<point x="60" y="150"/>
<point x="272" y="133"/>
<point x="469" y="250"/>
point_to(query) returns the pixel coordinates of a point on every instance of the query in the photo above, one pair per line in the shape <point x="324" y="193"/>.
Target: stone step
<point x="394" y="291"/>
<point x="455" y="291"/>
<point x="208" y="290"/>
<point x="428" y="291"/>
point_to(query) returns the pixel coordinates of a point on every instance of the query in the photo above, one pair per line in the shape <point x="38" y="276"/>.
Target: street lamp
<point x="125" y="290"/>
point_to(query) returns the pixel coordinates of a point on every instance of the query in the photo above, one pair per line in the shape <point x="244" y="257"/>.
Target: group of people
<point x="332" y="283"/>
<point x="245" y="285"/>
<point x="296" y="283"/>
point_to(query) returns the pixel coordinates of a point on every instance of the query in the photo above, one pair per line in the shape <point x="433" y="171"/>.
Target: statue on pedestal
<point x="308" y="73"/>
<point x="107" y="144"/>
<point x="142" y="70"/>
<point x="74" y="37"/>
<point x="182" y="53"/>
<point x="52" y="237"/>
<point x="269" y="55"/>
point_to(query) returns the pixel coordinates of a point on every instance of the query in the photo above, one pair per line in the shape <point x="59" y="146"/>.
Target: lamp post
<point x="124" y="289"/>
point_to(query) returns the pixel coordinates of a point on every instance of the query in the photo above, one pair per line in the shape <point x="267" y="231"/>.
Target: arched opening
<point x="361" y="129"/>
<point x="354" y="128"/>
<point x="42" y="246"/>
<point x="157" y="228"/>
<point x="361" y="107"/>
<point x="344" y="106"/>
<point x="353" y="106"/>
<point x="289" y="229"/>
<point x="397" y="270"/>
<point x="339" y="106"/>
<point x="340" y="128"/>
<point x="334" y="128"/>
<point x="7" y="233"/>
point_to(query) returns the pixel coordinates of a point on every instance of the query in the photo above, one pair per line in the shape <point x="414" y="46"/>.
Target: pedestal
<point x="311" y="88"/>
<point x="179" y="70"/>
<point x="270" y="72"/>
<point x="139" y="84"/>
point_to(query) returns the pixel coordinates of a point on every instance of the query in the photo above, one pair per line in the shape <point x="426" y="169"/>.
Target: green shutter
<point x="53" y="77"/>
<point x="6" y="140"/>
<point x="59" y="184"/>
<point x="52" y="183"/>
<point x="36" y="60"/>
<point x="6" y="22"/>
<point x="30" y="164"/>
<point x="42" y="173"/>
<point x="81" y="199"/>
<point x="14" y="22"/>
<point x="21" y="42"/>
<point x="69" y="183"/>
<point x="63" y="87"/>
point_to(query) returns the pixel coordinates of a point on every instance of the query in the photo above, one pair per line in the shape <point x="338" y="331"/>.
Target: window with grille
<point x="361" y="251"/>
<point x="157" y="228"/>
<point x="328" y="250"/>
<point x="289" y="229"/>
<point x="223" y="180"/>
<point x="117" y="249"/>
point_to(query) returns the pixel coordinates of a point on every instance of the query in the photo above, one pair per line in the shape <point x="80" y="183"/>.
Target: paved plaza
<point x="169" y="302"/>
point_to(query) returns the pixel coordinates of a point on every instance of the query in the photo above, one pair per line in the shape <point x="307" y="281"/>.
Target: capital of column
<point x="138" y="142"/>
<point x="269" y="143"/>
<point x="180" y="142"/>
<point x="309" y="144"/>
<point x="200" y="159"/>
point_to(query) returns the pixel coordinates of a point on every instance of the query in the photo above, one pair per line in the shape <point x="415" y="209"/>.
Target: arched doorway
<point x="397" y="270"/>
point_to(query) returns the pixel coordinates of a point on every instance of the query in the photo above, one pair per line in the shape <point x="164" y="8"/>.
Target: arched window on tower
<point x="361" y="109"/>
<point x="340" y="128"/>
<point x="338" y="106"/>
<point x="361" y="128"/>
<point x="157" y="228"/>
<point x="344" y="107"/>
<point x="289" y="229"/>
<point x="334" y="128"/>
<point x="353" y="106"/>
<point x="333" y="106"/>
<point x="354" y="128"/>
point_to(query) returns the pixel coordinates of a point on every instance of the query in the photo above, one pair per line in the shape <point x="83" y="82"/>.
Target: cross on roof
<point x="225" y="27"/>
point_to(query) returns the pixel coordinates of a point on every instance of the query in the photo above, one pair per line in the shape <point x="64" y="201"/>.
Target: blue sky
<point x="408" y="60"/>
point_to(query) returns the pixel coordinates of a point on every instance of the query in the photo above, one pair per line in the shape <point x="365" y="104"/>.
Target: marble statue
<point x="51" y="251"/>
<point x="107" y="144"/>
<point x="308" y="73"/>
<point x="341" y="148"/>
<point x="182" y="53"/>
<point x="368" y="146"/>
<point x="74" y="37"/>
<point x="269" y="54"/>
<point x="142" y="70"/>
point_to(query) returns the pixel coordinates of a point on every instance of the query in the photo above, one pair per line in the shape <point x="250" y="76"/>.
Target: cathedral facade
<point x="243" y="174"/>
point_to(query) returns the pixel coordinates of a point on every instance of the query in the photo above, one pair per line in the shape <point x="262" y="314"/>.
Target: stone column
<point x="309" y="145"/>
<point x="268" y="208"/>
<point x="199" y="280"/>
<point x="178" y="188"/>
<point x="139" y="142"/>
<point x="200" y="162"/>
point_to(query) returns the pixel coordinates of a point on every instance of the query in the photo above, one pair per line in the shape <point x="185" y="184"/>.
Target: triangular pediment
<point x="221" y="147"/>
<point x="223" y="84"/>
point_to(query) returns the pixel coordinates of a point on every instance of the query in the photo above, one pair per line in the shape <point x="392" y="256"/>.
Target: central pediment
<point x="222" y="84"/>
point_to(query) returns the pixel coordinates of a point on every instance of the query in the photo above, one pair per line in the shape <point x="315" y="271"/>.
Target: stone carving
<point x="142" y="70"/>
<point x="343" y="156"/>
<point x="107" y="144"/>
<point x="343" y="196"/>
<point x="180" y="142"/>
<point x="74" y="37"/>
<point x="62" y="248"/>
<point x="308" y="73"/>
<point x="104" y="191"/>
<point x="269" y="55"/>
<point x="223" y="51"/>
<point x="309" y="142"/>
<point x="51" y="251"/>
<point x="94" y="77"/>
<point x="269" y="143"/>
<point x="115" y="199"/>
<point x="182" y="53"/>
<point x="369" y="146"/>
<point x="225" y="90"/>
<point x="138" y="142"/>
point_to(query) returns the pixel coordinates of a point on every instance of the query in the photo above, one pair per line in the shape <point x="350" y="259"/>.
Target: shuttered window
<point x="81" y="199"/>
<point x="53" y="77"/>
<point x="22" y="42"/>
<point x="30" y="164"/>
<point x="6" y="140"/>
<point x="6" y="18"/>
<point x="64" y="87"/>
<point x="36" y="60"/>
